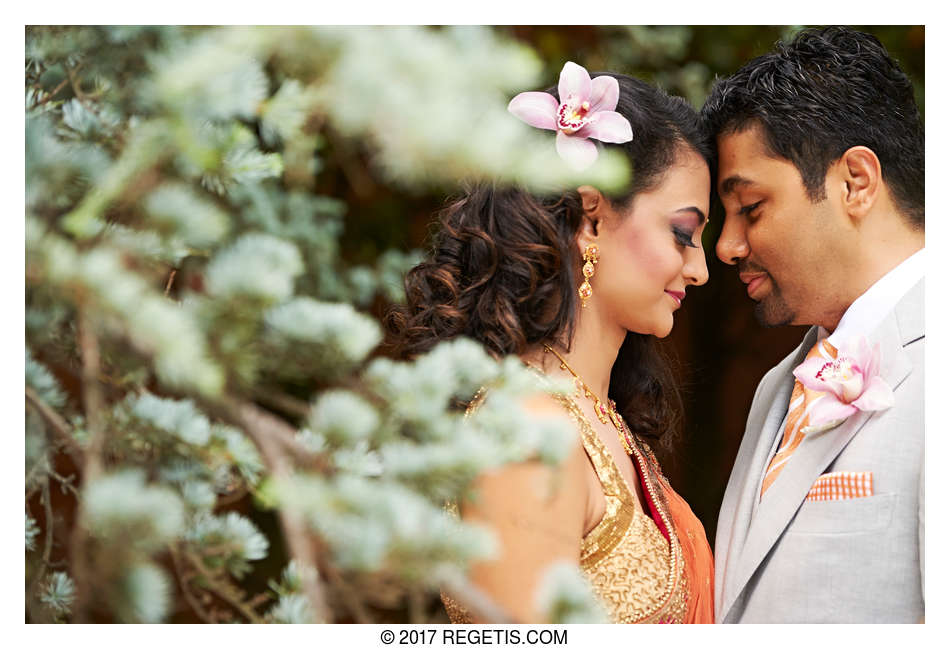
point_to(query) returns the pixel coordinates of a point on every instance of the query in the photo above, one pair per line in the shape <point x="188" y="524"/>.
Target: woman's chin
<point x="660" y="328"/>
<point x="663" y="332"/>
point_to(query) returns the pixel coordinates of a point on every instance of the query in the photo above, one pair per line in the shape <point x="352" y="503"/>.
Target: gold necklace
<point x="603" y="411"/>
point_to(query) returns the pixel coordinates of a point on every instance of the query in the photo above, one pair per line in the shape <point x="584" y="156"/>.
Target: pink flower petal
<point x="604" y="93"/>
<point x="877" y="396"/>
<point x="574" y="81"/>
<point x="608" y="126"/>
<point x="859" y="351"/>
<point x="578" y="152"/>
<point x="827" y="408"/>
<point x="807" y="371"/>
<point x="536" y="108"/>
<point x="851" y="388"/>
<point x="874" y="365"/>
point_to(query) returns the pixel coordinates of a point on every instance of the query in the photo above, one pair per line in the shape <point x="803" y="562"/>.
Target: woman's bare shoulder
<point x="540" y="486"/>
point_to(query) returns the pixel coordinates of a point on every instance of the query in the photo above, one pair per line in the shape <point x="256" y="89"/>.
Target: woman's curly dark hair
<point x="504" y="266"/>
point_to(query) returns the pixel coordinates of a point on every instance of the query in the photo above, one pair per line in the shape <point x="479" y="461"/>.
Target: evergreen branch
<point x="65" y="482"/>
<point x="183" y="583"/>
<point x="283" y="402"/>
<point x="145" y="149"/>
<point x="32" y="473"/>
<point x="75" y="83"/>
<point x="355" y="172"/>
<point x="268" y="432"/>
<point x="350" y="599"/>
<point x="48" y="543"/>
<point x="92" y="462"/>
<point x="92" y="396"/>
<point x="58" y="424"/>
<point x="171" y="280"/>
<point x="416" y="605"/>
<point x="232" y="498"/>
<point x="223" y="591"/>
<point x="55" y="91"/>
<point x="274" y="427"/>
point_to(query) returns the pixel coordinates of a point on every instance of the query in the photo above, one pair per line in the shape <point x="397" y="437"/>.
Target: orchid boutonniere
<point x="850" y="383"/>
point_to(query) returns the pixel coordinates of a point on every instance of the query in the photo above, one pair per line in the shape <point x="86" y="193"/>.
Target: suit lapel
<point x="762" y="429"/>
<point x="813" y="456"/>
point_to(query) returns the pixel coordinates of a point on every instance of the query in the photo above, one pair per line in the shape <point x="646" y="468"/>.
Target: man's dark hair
<point x="828" y="90"/>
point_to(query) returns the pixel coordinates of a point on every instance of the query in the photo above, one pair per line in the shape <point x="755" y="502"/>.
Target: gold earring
<point x="591" y="257"/>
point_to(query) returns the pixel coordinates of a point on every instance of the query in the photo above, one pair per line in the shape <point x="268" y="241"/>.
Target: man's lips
<point x="677" y="295"/>
<point x="753" y="281"/>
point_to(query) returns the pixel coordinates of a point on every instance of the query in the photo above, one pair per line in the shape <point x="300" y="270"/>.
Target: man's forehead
<point x="743" y="155"/>
<point x="748" y="142"/>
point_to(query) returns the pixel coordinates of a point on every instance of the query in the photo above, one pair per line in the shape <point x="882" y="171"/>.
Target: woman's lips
<point x="677" y="296"/>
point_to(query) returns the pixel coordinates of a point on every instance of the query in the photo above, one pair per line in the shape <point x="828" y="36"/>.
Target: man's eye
<point x="748" y="209"/>
<point x="684" y="238"/>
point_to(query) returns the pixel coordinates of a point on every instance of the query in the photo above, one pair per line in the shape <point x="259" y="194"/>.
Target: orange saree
<point x="697" y="556"/>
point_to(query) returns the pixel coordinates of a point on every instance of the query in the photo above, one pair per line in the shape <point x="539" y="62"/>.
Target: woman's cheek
<point x="660" y="261"/>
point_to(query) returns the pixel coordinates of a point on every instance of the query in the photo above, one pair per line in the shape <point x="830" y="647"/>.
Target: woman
<point x="578" y="285"/>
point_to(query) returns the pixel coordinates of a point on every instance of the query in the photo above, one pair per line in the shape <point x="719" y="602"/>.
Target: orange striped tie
<point x="799" y="407"/>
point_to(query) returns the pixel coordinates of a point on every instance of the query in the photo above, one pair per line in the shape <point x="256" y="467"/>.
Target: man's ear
<point x="859" y="171"/>
<point x="594" y="206"/>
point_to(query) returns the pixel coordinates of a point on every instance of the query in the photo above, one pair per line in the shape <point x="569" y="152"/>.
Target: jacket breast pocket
<point x="848" y="516"/>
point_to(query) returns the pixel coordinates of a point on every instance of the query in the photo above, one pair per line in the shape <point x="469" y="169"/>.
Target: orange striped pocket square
<point x="842" y="485"/>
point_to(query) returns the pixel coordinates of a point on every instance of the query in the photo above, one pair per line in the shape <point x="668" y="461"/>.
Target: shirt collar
<point x="866" y="312"/>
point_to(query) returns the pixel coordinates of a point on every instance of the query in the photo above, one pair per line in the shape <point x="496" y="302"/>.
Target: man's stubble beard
<point x="773" y="310"/>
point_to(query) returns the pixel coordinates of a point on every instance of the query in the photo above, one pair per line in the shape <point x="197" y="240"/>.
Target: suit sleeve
<point x="920" y="529"/>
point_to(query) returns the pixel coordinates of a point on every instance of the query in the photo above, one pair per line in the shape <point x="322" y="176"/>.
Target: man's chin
<point x="770" y="314"/>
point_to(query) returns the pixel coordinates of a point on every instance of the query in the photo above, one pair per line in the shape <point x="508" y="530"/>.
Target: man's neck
<point x="876" y="262"/>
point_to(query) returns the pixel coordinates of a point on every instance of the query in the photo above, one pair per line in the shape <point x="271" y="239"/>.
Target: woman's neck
<point x="593" y="351"/>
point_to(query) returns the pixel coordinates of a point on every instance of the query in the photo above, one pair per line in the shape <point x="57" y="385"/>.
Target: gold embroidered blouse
<point x="635" y="569"/>
<point x="634" y="561"/>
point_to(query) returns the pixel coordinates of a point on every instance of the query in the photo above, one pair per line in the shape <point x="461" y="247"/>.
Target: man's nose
<point x="732" y="245"/>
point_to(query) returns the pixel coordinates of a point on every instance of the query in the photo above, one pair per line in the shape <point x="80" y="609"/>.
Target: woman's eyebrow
<point x="701" y="217"/>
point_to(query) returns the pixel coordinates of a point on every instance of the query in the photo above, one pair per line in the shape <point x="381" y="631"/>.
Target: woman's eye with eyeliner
<point x="684" y="238"/>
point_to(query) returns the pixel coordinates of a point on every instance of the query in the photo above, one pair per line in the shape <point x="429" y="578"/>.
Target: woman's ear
<point x="594" y="206"/>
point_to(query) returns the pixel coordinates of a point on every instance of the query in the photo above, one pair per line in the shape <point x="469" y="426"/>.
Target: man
<point x="821" y="174"/>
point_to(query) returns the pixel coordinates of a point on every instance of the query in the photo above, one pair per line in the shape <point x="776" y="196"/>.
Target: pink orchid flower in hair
<point x="586" y="111"/>
<point x="850" y="383"/>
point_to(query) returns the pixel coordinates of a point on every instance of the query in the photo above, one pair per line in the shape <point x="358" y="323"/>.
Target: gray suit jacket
<point x="859" y="560"/>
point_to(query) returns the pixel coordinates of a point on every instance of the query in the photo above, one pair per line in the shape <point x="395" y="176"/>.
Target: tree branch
<point x="222" y="591"/>
<point x="65" y="483"/>
<point x="350" y="599"/>
<point x="416" y="605"/>
<point x="274" y="427"/>
<point x="283" y="402"/>
<point x="231" y="498"/>
<point x="75" y="83"/>
<point x="58" y="424"/>
<point x="92" y="397"/>
<point x="189" y="596"/>
<point x="270" y="433"/>
<point x="92" y="462"/>
<point x="48" y="546"/>
<point x="171" y="280"/>
<point x="55" y="91"/>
